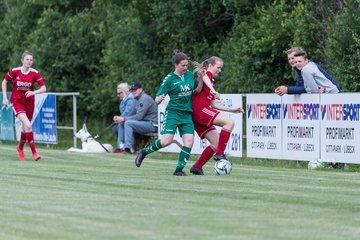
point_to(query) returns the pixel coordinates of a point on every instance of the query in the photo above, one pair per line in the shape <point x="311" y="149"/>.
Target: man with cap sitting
<point x="145" y="119"/>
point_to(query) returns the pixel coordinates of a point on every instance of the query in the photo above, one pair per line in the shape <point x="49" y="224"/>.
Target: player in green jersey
<point x="179" y="85"/>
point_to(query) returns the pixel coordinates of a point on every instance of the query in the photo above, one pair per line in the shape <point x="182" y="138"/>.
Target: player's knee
<point x="165" y="142"/>
<point x="27" y="127"/>
<point x="189" y="143"/>
<point x="214" y="146"/>
<point x="229" y="124"/>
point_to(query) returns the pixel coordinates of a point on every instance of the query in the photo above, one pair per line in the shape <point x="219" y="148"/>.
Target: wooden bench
<point x="142" y="140"/>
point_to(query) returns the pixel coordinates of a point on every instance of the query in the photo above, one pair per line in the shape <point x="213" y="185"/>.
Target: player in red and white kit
<point x="206" y="115"/>
<point x="23" y="100"/>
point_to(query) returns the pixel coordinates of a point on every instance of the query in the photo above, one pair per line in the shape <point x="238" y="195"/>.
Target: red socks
<point x="209" y="150"/>
<point x="30" y="139"/>
<point x="205" y="156"/>
<point x="223" y="140"/>
<point x="22" y="140"/>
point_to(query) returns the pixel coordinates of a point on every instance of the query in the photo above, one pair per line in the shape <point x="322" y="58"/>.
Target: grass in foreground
<point x="104" y="196"/>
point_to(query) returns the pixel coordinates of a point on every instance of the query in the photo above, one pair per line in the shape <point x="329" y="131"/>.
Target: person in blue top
<point x="127" y="108"/>
<point x="299" y="87"/>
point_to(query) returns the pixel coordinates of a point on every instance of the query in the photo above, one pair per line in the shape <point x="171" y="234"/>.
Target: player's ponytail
<point x="178" y="56"/>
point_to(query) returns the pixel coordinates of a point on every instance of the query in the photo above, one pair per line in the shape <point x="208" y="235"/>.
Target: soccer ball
<point x="315" y="164"/>
<point x="222" y="167"/>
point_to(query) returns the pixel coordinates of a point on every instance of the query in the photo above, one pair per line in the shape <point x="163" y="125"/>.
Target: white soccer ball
<point x="222" y="167"/>
<point x="315" y="164"/>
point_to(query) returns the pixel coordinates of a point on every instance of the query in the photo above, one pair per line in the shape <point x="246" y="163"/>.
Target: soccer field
<point x="104" y="196"/>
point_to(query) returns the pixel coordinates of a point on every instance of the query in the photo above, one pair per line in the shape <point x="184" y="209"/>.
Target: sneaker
<point x="21" y="153"/>
<point x="121" y="146"/>
<point x="220" y="156"/>
<point x="118" y="151"/>
<point x="127" y="151"/>
<point x="337" y="165"/>
<point x="140" y="157"/>
<point x="179" y="172"/>
<point x="196" y="171"/>
<point x="36" y="156"/>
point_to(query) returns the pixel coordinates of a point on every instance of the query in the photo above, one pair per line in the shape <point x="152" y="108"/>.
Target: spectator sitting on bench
<point x="143" y="121"/>
<point x="127" y="108"/>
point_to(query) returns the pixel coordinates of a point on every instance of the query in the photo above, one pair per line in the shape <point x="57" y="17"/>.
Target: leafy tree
<point x="92" y="45"/>
<point x="17" y="23"/>
<point x="70" y="54"/>
<point x="254" y="55"/>
<point x="343" y="46"/>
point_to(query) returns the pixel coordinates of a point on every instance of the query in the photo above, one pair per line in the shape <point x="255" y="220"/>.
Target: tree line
<point x="90" y="46"/>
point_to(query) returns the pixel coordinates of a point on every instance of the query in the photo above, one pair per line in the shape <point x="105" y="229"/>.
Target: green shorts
<point x="177" y="119"/>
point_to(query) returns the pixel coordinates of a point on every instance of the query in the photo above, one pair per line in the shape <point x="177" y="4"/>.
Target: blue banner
<point x="6" y="121"/>
<point x="44" y="120"/>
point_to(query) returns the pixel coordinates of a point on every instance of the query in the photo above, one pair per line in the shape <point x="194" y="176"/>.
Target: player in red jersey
<point x="23" y="100"/>
<point x="206" y="115"/>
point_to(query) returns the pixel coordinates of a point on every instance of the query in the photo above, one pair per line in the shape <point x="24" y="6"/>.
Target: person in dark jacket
<point x="144" y="120"/>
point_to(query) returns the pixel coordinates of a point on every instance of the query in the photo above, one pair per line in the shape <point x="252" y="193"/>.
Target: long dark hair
<point x="178" y="56"/>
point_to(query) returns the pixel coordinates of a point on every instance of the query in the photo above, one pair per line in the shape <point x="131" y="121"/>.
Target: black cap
<point x="135" y="86"/>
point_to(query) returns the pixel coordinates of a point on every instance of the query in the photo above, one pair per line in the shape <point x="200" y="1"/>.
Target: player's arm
<point x="159" y="99"/>
<point x="200" y="85"/>
<point x="199" y="80"/>
<point x="42" y="89"/>
<point x="207" y="82"/>
<point x="3" y="87"/>
<point x="220" y="107"/>
<point x="163" y="90"/>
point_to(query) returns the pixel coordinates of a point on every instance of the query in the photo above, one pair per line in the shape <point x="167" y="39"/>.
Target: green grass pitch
<point x="104" y="196"/>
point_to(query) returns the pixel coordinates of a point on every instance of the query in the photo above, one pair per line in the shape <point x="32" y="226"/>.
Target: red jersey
<point x="23" y="82"/>
<point x="203" y="99"/>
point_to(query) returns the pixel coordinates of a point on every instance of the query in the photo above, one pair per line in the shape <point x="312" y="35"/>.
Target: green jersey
<point x="180" y="91"/>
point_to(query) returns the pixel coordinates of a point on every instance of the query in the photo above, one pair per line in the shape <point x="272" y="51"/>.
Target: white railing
<point x="73" y="127"/>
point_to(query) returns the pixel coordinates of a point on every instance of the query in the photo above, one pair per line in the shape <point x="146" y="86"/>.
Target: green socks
<point x="153" y="147"/>
<point x="183" y="157"/>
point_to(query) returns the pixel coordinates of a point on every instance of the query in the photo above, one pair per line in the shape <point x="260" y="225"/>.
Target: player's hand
<point x="159" y="99"/>
<point x="5" y="102"/>
<point x="321" y="90"/>
<point x="29" y="93"/>
<point x="216" y="95"/>
<point x="238" y="110"/>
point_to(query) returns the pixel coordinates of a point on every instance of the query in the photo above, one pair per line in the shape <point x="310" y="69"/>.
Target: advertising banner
<point x="263" y="126"/>
<point x="301" y="126"/>
<point x="340" y="127"/>
<point x="234" y="146"/>
<point x="6" y="121"/>
<point x="44" y="119"/>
